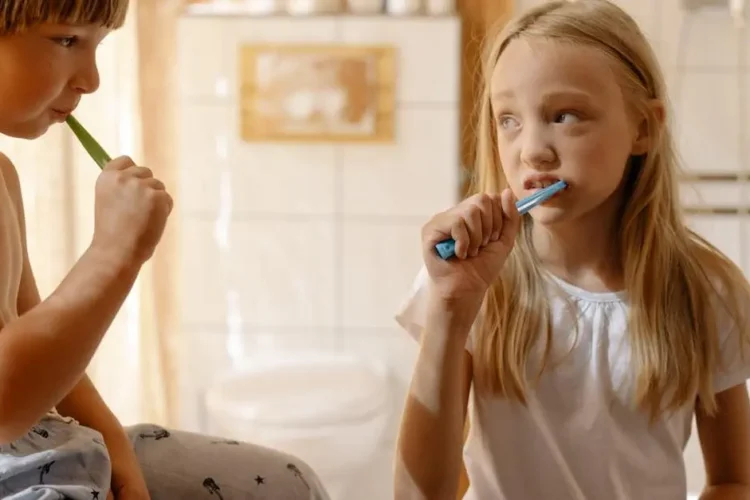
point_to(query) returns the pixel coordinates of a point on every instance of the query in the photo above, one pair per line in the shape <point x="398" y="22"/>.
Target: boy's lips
<point x="61" y="115"/>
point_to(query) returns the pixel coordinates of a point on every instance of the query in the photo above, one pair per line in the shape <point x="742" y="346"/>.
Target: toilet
<point x="329" y="409"/>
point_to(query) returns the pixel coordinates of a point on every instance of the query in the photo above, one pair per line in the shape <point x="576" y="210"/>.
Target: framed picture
<point x="317" y="93"/>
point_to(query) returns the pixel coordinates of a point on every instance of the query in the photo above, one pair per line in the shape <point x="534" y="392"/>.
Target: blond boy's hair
<point x="18" y="15"/>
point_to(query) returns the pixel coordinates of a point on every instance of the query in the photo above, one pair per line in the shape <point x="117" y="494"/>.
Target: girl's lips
<point x="539" y="181"/>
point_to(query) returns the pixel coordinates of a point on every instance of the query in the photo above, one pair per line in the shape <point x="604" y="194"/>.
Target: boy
<point x="47" y="63"/>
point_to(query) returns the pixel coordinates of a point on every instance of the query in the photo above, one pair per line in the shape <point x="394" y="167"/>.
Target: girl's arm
<point x="725" y="441"/>
<point x="428" y="462"/>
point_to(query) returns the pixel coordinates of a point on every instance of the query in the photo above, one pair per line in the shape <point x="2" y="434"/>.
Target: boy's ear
<point x="649" y="128"/>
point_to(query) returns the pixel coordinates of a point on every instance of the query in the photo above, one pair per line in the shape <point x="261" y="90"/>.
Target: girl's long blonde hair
<point x="675" y="280"/>
<point x="18" y="15"/>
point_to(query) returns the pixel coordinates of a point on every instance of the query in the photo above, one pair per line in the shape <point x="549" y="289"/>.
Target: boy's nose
<point x="86" y="80"/>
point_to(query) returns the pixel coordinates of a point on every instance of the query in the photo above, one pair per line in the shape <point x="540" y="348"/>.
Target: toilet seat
<point x="337" y="389"/>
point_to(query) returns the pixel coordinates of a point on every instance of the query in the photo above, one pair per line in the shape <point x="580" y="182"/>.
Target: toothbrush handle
<point x="447" y="248"/>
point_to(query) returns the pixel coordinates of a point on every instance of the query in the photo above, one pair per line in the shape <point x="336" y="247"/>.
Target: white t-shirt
<point x="579" y="437"/>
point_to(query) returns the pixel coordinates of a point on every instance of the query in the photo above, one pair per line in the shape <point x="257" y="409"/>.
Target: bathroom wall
<point x="298" y="245"/>
<point x="707" y="64"/>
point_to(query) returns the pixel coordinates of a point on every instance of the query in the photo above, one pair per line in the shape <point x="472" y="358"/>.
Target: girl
<point x="592" y="329"/>
<point x="47" y="62"/>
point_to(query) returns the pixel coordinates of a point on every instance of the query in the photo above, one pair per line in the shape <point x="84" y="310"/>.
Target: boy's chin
<point x="28" y="131"/>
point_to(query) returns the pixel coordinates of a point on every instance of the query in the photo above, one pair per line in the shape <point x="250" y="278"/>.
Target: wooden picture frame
<point x="317" y="93"/>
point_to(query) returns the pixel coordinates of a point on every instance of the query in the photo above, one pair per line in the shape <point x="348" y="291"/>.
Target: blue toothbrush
<point x="447" y="248"/>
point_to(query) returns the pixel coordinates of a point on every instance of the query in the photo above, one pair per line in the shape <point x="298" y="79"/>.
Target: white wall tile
<point x="278" y="272"/>
<point x="428" y="57"/>
<point x="703" y="39"/>
<point x="415" y="176"/>
<point x="215" y="75"/>
<point x="708" y="121"/>
<point x="380" y="263"/>
<point x="203" y="57"/>
<point x="221" y="171"/>
<point x="720" y="194"/>
<point x="726" y="232"/>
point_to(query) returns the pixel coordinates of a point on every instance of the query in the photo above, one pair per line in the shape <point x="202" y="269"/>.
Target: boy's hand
<point x="127" y="482"/>
<point x="131" y="211"/>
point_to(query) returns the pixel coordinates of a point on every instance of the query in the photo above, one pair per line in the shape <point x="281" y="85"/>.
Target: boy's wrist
<point x="118" y="261"/>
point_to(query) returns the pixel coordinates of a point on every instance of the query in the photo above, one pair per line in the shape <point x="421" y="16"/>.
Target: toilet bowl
<point x="328" y="409"/>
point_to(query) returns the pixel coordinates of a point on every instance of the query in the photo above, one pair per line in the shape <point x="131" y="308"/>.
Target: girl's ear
<point x="646" y="133"/>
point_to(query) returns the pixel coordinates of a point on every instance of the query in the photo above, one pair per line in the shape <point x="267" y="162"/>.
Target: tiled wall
<point x="707" y="64"/>
<point x="288" y="245"/>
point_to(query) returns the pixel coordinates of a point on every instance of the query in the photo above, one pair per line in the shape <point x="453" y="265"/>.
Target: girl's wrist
<point x="452" y="315"/>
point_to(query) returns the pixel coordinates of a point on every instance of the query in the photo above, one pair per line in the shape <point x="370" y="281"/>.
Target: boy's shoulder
<point x="10" y="176"/>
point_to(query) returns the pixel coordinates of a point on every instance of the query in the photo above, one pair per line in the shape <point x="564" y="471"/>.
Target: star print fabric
<point x="60" y="460"/>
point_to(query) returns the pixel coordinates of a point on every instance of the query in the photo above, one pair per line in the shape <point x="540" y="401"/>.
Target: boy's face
<point x="44" y="71"/>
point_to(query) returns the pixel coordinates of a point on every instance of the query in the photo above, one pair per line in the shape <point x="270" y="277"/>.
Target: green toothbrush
<point x="92" y="147"/>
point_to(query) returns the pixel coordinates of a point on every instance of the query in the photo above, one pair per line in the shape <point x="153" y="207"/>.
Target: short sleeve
<point x="734" y="357"/>
<point x="412" y="315"/>
<point x="734" y="362"/>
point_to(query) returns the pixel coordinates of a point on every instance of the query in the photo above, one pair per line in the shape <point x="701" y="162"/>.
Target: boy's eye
<point x="66" y="41"/>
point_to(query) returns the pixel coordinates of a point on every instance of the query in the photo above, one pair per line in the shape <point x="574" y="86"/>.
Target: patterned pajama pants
<point x="59" y="460"/>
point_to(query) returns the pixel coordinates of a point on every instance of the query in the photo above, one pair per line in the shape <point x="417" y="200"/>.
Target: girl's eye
<point x="566" y="117"/>
<point x="507" y="122"/>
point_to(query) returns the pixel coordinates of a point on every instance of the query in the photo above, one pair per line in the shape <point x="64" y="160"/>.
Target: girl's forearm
<point x="431" y="435"/>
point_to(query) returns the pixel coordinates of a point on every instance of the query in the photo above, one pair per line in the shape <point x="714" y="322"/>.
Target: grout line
<point x="336" y="216"/>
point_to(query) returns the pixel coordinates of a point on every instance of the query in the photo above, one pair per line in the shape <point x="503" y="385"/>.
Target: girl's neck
<point x="584" y="252"/>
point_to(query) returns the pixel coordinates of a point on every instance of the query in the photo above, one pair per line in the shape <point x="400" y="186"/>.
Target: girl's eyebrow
<point x="549" y="96"/>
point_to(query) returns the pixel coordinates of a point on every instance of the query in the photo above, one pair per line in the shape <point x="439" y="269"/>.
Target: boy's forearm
<point x="431" y="435"/>
<point x="85" y="404"/>
<point x="45" y="352"/>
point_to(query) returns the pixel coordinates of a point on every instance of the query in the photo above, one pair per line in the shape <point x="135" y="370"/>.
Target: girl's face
<point x="44" y="71"/>
<point x="561" y="114"/>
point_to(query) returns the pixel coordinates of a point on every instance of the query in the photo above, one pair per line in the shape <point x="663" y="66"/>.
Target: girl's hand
<point x="484" y="228"/>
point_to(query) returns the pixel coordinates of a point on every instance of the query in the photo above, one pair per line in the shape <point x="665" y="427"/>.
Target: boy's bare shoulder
<point x="10" y="177"/>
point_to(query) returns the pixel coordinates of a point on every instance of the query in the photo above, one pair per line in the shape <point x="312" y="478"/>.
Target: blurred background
<point x="306" y="142"/>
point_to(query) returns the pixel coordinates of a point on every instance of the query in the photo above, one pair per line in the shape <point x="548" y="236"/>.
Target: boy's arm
<point x="83" y="403"/>
<point x="44" y="353"/>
